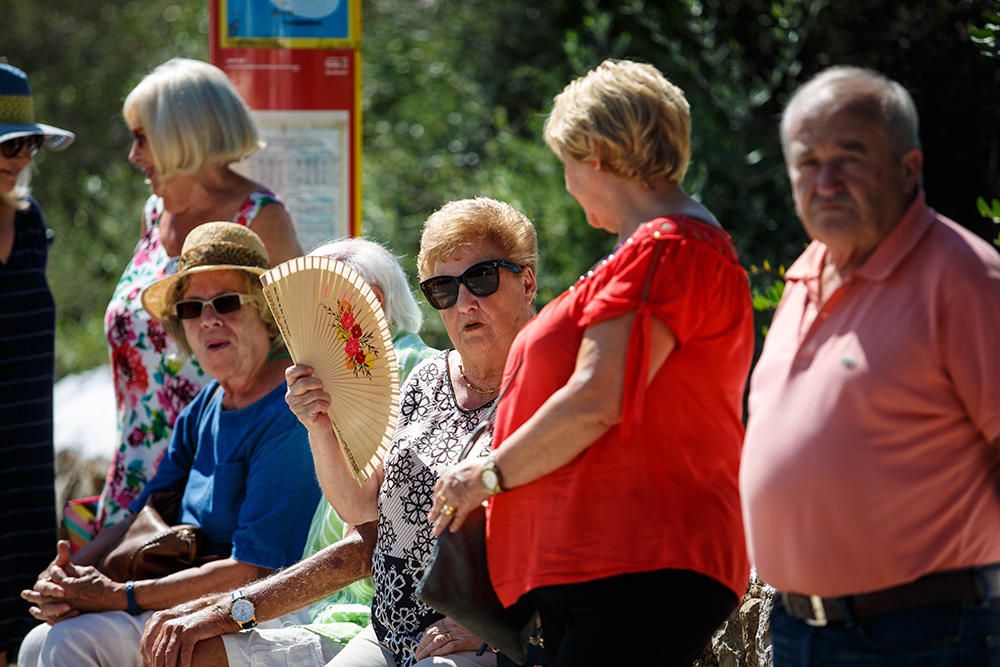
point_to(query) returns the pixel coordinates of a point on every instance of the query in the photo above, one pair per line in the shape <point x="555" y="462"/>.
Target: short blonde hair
<point x="175" y="329"/>
<point x="460" y="223"/>
<point x="192" y="117"/>
<point x="628" y="116"/>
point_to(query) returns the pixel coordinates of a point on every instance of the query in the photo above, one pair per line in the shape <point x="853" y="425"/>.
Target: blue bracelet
<point x="133" y="606"/>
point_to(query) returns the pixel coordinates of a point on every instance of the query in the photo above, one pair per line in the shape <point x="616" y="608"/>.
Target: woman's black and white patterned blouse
<point x="428" y="440"/>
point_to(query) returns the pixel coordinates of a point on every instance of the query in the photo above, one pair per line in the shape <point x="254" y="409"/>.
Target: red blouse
<point x="659" y="490"/>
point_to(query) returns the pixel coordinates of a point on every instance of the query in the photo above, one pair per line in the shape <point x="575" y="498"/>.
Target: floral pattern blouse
<point x="153" y="382"/>
<point x="429" y="439"/>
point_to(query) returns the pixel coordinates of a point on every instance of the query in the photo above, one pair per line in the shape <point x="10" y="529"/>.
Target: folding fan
<point x="331" y="320"/>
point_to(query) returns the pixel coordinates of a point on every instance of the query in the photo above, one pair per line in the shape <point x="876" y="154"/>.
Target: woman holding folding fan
<point x="477" y="261"/>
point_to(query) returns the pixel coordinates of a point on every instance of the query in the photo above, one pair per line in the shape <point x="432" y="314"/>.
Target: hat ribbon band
<point x="17" y="109"/>
<point x="226" y="255"/>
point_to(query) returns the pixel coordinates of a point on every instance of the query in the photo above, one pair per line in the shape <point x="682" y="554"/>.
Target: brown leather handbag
<point x="151" y="548"/>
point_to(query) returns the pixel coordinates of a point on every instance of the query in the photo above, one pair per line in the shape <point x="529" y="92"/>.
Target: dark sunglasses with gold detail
<point x="482" y="279"/>
<point x="13" y="147"/>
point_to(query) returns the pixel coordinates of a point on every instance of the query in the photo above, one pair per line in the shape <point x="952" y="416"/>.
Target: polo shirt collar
<point x="892" y="250"/>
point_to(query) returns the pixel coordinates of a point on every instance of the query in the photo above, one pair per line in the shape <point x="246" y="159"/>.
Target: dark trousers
<point x="661" y="618"/>
<point x="944" y="635"/>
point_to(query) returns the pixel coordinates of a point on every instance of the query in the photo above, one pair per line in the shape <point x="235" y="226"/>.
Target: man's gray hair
<point x="380" y="268"/>
<point x="857" y="84"/>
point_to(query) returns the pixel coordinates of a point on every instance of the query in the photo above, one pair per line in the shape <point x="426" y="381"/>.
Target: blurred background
<point x="454" y="96"/>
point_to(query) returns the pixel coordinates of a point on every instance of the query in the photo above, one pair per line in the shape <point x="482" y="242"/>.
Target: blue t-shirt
<point x="248" y="477"/>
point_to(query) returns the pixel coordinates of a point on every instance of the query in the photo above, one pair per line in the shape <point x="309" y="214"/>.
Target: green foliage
<point x="82" y="59"/>
<point x="990" y="211"/>
<point x="454" y="95"/>
<point x="986" y="37"/>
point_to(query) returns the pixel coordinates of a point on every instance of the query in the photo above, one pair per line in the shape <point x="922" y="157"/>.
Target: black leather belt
<point x="976" y="584"/>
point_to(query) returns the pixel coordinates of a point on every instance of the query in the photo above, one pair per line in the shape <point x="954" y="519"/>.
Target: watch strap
<point x="132" y="606"/>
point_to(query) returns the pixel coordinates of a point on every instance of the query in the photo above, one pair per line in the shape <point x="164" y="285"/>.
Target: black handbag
<point x="457" y="583"/>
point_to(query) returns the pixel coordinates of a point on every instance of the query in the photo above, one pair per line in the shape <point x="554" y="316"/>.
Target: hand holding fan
<point x="331" y="320"/>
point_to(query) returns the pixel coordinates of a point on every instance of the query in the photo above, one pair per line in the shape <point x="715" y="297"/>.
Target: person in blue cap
<point x="27" y="354"/>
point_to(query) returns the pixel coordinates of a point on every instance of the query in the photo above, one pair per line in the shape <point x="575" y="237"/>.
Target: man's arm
<point x="170" y="636"/>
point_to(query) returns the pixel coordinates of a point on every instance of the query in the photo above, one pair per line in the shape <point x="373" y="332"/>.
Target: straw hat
<point x="17" y="112"/>
<point x="212" y="246"/>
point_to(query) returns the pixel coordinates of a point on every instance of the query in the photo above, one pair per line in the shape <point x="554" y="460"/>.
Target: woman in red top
<point x="614" y="474"/>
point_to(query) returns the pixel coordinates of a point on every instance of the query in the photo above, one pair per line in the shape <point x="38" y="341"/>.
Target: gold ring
<point x="443" y="498"/>
<point x="448" y="637"/>
<point x="447" y="510"/>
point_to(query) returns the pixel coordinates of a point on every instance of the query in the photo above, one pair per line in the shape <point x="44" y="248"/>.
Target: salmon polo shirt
<point x="868" y="459"/>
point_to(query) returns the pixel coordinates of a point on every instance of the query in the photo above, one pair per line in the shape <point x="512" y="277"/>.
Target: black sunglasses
<point x="481" y="279"/>
<point x="13" y="147"/>
<point x="190" y="309"/>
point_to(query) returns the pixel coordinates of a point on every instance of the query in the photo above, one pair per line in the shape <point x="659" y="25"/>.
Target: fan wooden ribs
<point x="331" y="320"/>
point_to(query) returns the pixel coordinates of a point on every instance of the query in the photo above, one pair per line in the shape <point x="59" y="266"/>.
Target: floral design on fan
<point x="359" y="352"/>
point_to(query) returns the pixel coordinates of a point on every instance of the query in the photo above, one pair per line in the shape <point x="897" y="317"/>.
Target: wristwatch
<point x="490" y="476"/>
<point x="242" y="610"/>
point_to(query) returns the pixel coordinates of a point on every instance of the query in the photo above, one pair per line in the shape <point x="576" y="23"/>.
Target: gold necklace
<point x="473" y="387"/>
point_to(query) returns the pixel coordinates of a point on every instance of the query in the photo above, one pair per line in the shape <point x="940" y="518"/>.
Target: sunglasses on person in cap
<point x="482" y="279"/>
<point x="190" y="309"/>
<point x="13" y="147"/>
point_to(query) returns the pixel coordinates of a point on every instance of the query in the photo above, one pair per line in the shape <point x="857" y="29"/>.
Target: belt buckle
<point x="819" y="612"/>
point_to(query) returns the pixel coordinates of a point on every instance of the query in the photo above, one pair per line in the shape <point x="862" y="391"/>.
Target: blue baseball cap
<point x="17" y="113"/>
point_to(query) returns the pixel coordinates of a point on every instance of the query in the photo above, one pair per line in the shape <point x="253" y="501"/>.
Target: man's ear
<point x="913" y="166"/>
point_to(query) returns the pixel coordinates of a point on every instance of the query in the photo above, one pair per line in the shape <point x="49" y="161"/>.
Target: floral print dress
<point x="153" y="382"/>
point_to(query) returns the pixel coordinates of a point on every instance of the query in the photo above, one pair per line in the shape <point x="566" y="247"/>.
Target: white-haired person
<point x="188" y="127"/>
<point x="332" y="578"/>
<point x="238" y="458"/>
<point x="27" y="358"/>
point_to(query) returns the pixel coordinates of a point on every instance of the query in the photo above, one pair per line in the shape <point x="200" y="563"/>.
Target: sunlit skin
<point x="584" y="184"/>
<point x="11" y="168"/>
<point x="850" y="189"/>
<point x="233" y="347"/>
<point x="140" y="155"/>
<point x="481" y="327"/>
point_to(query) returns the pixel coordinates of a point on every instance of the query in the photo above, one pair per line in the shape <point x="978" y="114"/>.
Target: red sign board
<point x="305" y="95"/>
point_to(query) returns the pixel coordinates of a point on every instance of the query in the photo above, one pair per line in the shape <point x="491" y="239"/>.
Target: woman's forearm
<point x="584" y="409"/>
<point x="355" y="504"/>
<point x="215" y="577"/>
<point x="92" y="552"/>
<point x="317" y="577"/>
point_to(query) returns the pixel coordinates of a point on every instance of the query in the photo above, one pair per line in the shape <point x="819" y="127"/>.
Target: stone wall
<point x="744" y="640"/>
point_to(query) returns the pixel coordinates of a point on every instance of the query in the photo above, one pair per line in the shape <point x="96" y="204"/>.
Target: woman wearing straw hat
<point x="27" y="341"/>
<point x="188" y="126"/>
<point x="240" y="456"/>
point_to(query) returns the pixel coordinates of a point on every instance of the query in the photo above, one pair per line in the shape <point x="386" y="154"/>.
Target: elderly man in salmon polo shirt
<point x="870" y="471"/>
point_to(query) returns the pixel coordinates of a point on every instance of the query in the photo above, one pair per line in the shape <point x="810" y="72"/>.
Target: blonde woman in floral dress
<point x="186" y="156"/>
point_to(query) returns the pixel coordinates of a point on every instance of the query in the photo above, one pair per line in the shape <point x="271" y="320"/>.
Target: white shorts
<point x="279" y="647"/>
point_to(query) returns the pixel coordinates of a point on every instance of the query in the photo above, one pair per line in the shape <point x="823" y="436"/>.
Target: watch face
<point x="242" y="610"/>
<point x="490" y="480"/>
